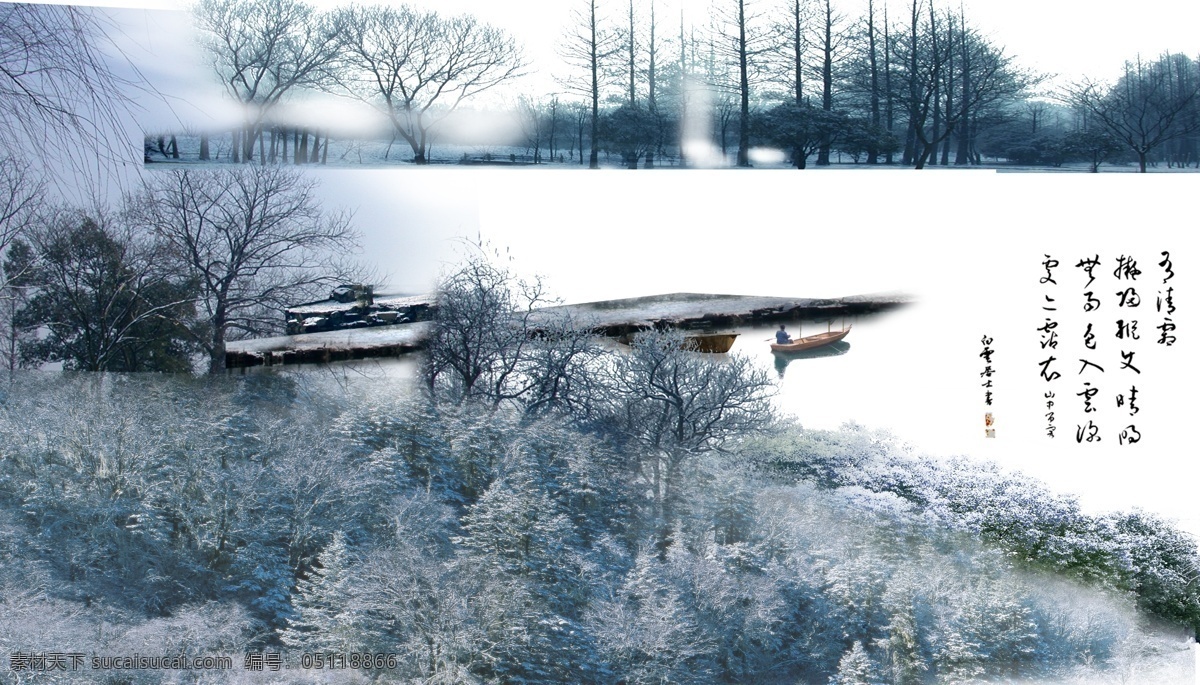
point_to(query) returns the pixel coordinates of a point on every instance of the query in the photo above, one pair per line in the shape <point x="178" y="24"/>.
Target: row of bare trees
<point x="928" y="87"/>
<point x="801" y="75"/>
<point x="920" y="84"/>
<point x="1153" y="106"/>
<point x="414" y="67"/>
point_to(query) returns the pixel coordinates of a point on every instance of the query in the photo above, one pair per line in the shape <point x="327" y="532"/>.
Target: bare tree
<point x="629" y="37"/>
<point x="830" y="41"/>
<point x="889" y="92"/>
<point x="873" y="63"/>
<point x="255" y="239"/>
<point x="588" y="45"/>
<point x="924" y="62"/>
<point x="534" y="119"/>
<point x="262" y="50"/>
<point x="675" y="404"/>
<point x="20" y="201"/>
<point x="553" y="115"/>
<point x="744" y="41"/>
<point x="793" y="48"/>
<point x="20" y="197"/>
<point x="61" y="102"/>
<point x="418" y="67"/>
<point x="1149" y="106"/>
<point x="491" y="345"/>
<point x="988" y="80"/>
<point x="984" y="72"/>
<point x="580" y="113"/>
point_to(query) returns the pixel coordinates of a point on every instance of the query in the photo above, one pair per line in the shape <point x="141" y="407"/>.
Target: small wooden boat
<point x="714" y="343"/>
<point x="711" y="343"/>
<point x="811" y="341"/>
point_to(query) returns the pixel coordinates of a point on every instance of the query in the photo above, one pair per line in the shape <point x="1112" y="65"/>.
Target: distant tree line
<point x="415" y="68"/>
<point x="922" y="86"/>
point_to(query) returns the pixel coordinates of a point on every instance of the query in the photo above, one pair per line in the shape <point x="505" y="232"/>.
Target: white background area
<point x="968" y="246"/>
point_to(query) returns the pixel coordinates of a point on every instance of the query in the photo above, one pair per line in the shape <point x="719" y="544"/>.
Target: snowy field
<point x="391" y="153"/>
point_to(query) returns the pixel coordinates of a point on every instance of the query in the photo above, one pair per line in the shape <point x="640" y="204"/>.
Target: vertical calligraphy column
<point x="1128" y="300"/>
<point x="1090" y="372"/>
<point x="986" y="375"/>
<point x="1166" y="303"/>
<point x="1049" y="339"/>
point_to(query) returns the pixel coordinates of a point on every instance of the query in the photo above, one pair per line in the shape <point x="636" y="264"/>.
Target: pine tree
<point x="324" y="617"/>
<point x="855" y="668"/>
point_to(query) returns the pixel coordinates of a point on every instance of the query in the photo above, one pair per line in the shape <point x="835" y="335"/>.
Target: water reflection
<point x="782" y="359"/>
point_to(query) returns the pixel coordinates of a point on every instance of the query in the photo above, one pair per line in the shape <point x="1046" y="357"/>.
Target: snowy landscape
<point x="650" y="84"/>
<point x="523" y="500"/>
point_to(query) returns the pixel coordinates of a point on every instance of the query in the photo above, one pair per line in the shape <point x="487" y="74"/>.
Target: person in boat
<point x="781" y="336"/>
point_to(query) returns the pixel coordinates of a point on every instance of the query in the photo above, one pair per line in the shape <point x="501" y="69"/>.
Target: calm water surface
<point x="823" y="388"/>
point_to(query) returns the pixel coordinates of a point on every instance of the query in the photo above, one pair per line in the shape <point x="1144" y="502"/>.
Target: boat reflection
<point x="782" y="359"/>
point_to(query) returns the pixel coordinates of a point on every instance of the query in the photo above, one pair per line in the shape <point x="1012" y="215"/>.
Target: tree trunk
<point x="910" y="143"/>
<point x="872" y="147"/>
<point x="651" y="101"/>
<point x="963" y="154"/>
<point x="922" y="157"/>
<point x="743" y="158"/>
<point x="889" y="108"/>
<point x="249" y="137"/>
<point x="632" y="60"/>
<point x="204" y="148"/>
<point x="826" y="83"/>
<point x="302" y="149"/>
<point x="216" y="359"/>
<point x="594" y="154"/>
<point x="910" y="138"/>
<point x="949" y="112"/>
<point x="934" y="134"/>
<point x="798" y="50"/>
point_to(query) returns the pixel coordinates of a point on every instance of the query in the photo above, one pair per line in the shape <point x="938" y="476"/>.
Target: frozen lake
<point x="822" y="388"/>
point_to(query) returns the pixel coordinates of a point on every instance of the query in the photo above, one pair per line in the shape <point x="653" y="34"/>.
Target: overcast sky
<point x="1064" y="38"/>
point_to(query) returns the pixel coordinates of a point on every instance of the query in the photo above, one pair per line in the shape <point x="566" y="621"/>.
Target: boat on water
<point x="811" y="341"/>
<point x="709" y="343"/>
<point x="713" y="343"/>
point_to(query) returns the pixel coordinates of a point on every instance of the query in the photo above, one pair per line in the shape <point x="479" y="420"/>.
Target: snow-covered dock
<point x="687" y="311"/>
<point x="327" y="346"/>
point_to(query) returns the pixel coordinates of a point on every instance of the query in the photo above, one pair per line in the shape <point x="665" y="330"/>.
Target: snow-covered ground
<point x="387" y="153"/>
